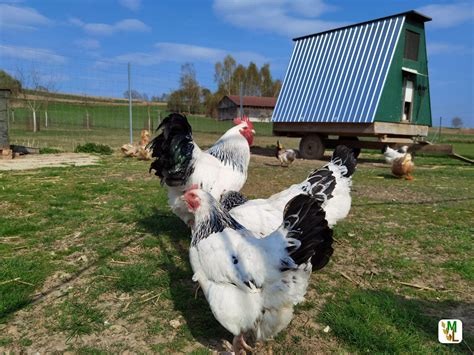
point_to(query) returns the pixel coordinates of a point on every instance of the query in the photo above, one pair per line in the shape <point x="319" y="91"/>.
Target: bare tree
<point x="223" y="74"/>
<point x="33" y="83"/>
<point x="456" y="122"/>
<point x="190" y="88"/>
<point x="46" y="98"/>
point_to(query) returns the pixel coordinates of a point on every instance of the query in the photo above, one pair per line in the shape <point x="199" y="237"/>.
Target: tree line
<point x="229" y="76"/>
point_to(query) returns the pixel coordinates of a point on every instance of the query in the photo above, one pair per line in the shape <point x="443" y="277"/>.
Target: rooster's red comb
<point x="238" y="121"/>
<point x="192" y="187"/>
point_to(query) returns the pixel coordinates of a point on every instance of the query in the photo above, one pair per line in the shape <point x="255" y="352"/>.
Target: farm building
<point x="257" y="108"/>
<point x="367" y="79"/>
<point x="4" y="144"/>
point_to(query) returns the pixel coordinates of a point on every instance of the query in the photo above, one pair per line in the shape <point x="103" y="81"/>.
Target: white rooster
<point x="263" y="216"/>
<point x="180" y="163"/>
<point x="252" y="283"/>
<point x="391" y="154"/>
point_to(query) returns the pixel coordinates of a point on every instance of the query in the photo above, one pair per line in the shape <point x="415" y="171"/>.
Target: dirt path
<point x="32" y="161"/>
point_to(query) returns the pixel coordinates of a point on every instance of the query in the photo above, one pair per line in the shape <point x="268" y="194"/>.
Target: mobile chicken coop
<point x="364" y="80"/>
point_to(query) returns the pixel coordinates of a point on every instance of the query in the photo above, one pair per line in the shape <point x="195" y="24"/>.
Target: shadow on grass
<point x="20" y="298"/>
<point x="196" y="312"/>
<point x="382" y="322"/>
<point x="416" y="202"/>
<point x="388" y="176"/>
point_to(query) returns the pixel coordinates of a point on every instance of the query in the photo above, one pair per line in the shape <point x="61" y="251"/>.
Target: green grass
<point x="94" y="148"/>
<point x="383" y="323"/>
<point x="73" y="116"/>
<point x="64" y="114"/>
<point x="48" y="150"/>
<point x="109" y="231"/>
<point x="19" y="276"/>
<point x="76" y="319"/>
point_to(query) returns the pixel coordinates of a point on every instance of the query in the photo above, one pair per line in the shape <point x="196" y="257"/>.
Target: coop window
<point x="412" y="43"/>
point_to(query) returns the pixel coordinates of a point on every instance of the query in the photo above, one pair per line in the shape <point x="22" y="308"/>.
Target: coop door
<point x="407" y="100"/>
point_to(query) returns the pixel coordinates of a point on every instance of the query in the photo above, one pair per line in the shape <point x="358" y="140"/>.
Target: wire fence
<point x="63" y="104"/>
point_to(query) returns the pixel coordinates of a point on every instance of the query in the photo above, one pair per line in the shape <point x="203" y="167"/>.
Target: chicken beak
<point x="253" y="131"/>
<point x="182" y="198"/>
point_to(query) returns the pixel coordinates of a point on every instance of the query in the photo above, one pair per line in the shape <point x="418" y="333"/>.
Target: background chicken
<point x="403" y="166"/>
<point x="180" y="163"/>
<point x="263" y="216"/>
<point x="285" y="156"/>
<point x="140" y="151"/>
<point x="390" y="154"/>
<point x="253" y="283"/>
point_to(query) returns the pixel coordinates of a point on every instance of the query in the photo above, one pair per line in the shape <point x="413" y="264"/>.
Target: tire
<point x="311" y="147"/>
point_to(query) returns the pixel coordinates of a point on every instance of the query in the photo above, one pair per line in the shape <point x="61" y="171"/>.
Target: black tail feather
<point x="305" y="219"/>
<point x="173" y="150"/>
<point x="346" y="157"/>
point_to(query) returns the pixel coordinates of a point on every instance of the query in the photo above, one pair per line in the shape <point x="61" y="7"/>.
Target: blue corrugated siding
<point x="338" y="76"/>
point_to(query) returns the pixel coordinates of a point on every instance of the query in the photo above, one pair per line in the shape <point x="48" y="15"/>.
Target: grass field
<point x="110" y="125"/>
<point x="93" y="261"/>
<point x="64" y="116"/>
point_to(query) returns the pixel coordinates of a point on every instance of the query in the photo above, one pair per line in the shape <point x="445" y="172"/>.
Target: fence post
<point x="130" y="102"/>
<point x="4" y="143"/>
<point x="439" y="131"/>
<point x="241" y="103"/>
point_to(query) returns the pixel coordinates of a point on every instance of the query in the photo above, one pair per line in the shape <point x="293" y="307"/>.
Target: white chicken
<point x="252" y="283"/>
<point x="391" y="154"/>
<point x="180" y="163"/>
<point x="263" y="216"/>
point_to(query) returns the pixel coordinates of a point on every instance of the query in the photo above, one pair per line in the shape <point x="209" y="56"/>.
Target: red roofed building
<point x="256" y="108"/>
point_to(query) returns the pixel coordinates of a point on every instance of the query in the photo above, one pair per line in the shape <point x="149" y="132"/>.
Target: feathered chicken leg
<point x="240" y="346"/>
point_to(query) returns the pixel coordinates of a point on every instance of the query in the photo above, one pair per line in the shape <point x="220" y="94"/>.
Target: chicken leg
<point x="240" y="346"/>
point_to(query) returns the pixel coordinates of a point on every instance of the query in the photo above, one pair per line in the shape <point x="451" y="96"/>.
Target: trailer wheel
<point x="311" y="147"/>
<point x="355" y="150"/>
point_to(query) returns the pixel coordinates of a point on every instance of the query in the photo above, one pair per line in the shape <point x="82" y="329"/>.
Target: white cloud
<point x="31" y="54"/>
<point x="448" y="15"/>
<point x="310" y="8"/>
<point x="75" y="21"/>
<point x="132" y="25"/>
<point x="181" y="53"/>
<point x="127" y="25"/>
<point x="133" y="5"/>
<point x="284" y="17"/>
<point x="21" y="18"/>
<point x="444" y="47"/>
<point x="90" y="44"/>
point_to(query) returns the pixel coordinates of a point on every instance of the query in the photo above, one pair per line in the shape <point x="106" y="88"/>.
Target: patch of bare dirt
<point x="32" y="161"/>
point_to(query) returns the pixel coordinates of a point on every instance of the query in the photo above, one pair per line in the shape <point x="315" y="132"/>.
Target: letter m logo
<point x="451" y="326"/>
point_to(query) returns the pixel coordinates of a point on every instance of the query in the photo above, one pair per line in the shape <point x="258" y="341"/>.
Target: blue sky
<point x="83" y="46"/>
